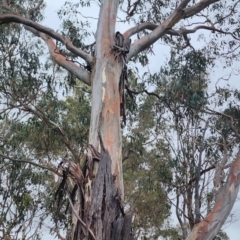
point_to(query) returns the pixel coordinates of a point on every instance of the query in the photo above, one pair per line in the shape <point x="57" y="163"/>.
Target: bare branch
<point x="61" y="60"/>
<point x="191" y="11"/>
<point x="150" y="26"/>
<point x="207" y="170"/>
<point x="132" y="8"/>
<point x="140" y="27"/>
<point x="7" y="18"/>
<point x="177" y="208"/>
<point x="180" y="13"/>
<point x="188" y="31"/>
<point x="32" y="163"/>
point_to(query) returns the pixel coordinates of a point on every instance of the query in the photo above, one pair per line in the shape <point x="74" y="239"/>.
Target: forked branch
<point x="181" y="12"/>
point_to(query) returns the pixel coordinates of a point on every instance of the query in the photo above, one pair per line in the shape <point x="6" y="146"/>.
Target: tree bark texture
<point x="105" y="214"/>
<point x="104" y="218"/>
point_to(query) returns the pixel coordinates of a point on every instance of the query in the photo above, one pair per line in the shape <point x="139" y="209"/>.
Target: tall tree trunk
<point x="105" y="115"/>
<point x="103" y="194"/>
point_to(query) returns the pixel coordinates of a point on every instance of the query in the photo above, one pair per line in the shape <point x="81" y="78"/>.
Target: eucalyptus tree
<point x="98" y="178"/>
<point x="203" y="142"/>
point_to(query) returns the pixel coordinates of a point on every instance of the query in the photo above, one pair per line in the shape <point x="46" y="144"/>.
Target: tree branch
<point x="188" y="31"/>
<point x="53" y="125"/>
<point x="140" y="27"/>
<point x="180" y="13"/>
<point x="7" y="18"/>
<point x="198" y="174"/>
<point x="38" y="113"/>
<point x="150" y="26"/>
<point x="191" y="11"/>
<point x="209" y="227"/>
<point x="62" y="61"/>
<point x="231" y="119"/>
<point x="207" y="170"/>
<point x="32" y="163"/>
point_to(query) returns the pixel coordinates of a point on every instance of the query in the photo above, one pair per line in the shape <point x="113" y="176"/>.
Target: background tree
<point x="200" y="141"/>
<point x="98" y="178"/>
<point x="191" y="131"/>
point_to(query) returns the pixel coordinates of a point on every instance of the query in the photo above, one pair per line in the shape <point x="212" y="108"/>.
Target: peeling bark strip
<point x="105" y="216"/>
<point x="208" y="228"/>
<point x="101" y="216"/>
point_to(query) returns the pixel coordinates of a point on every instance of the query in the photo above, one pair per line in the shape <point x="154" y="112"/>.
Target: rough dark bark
<point x="105" y="216"/>
<point x="107" y="198"/>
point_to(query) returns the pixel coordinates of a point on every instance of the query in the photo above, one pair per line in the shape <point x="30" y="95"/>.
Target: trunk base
<point x="105" y="214"/>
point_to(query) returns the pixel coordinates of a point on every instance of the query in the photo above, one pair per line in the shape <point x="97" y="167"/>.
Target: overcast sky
<point x="161" y="54"/>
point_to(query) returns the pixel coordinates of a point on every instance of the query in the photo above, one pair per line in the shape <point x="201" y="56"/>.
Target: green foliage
<point x="185" y="80"/>
<point x="166" y="140"/>
<point x="32" y="114"/>
<point x="144" y="174"/>
<point x="22" y="193"/>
